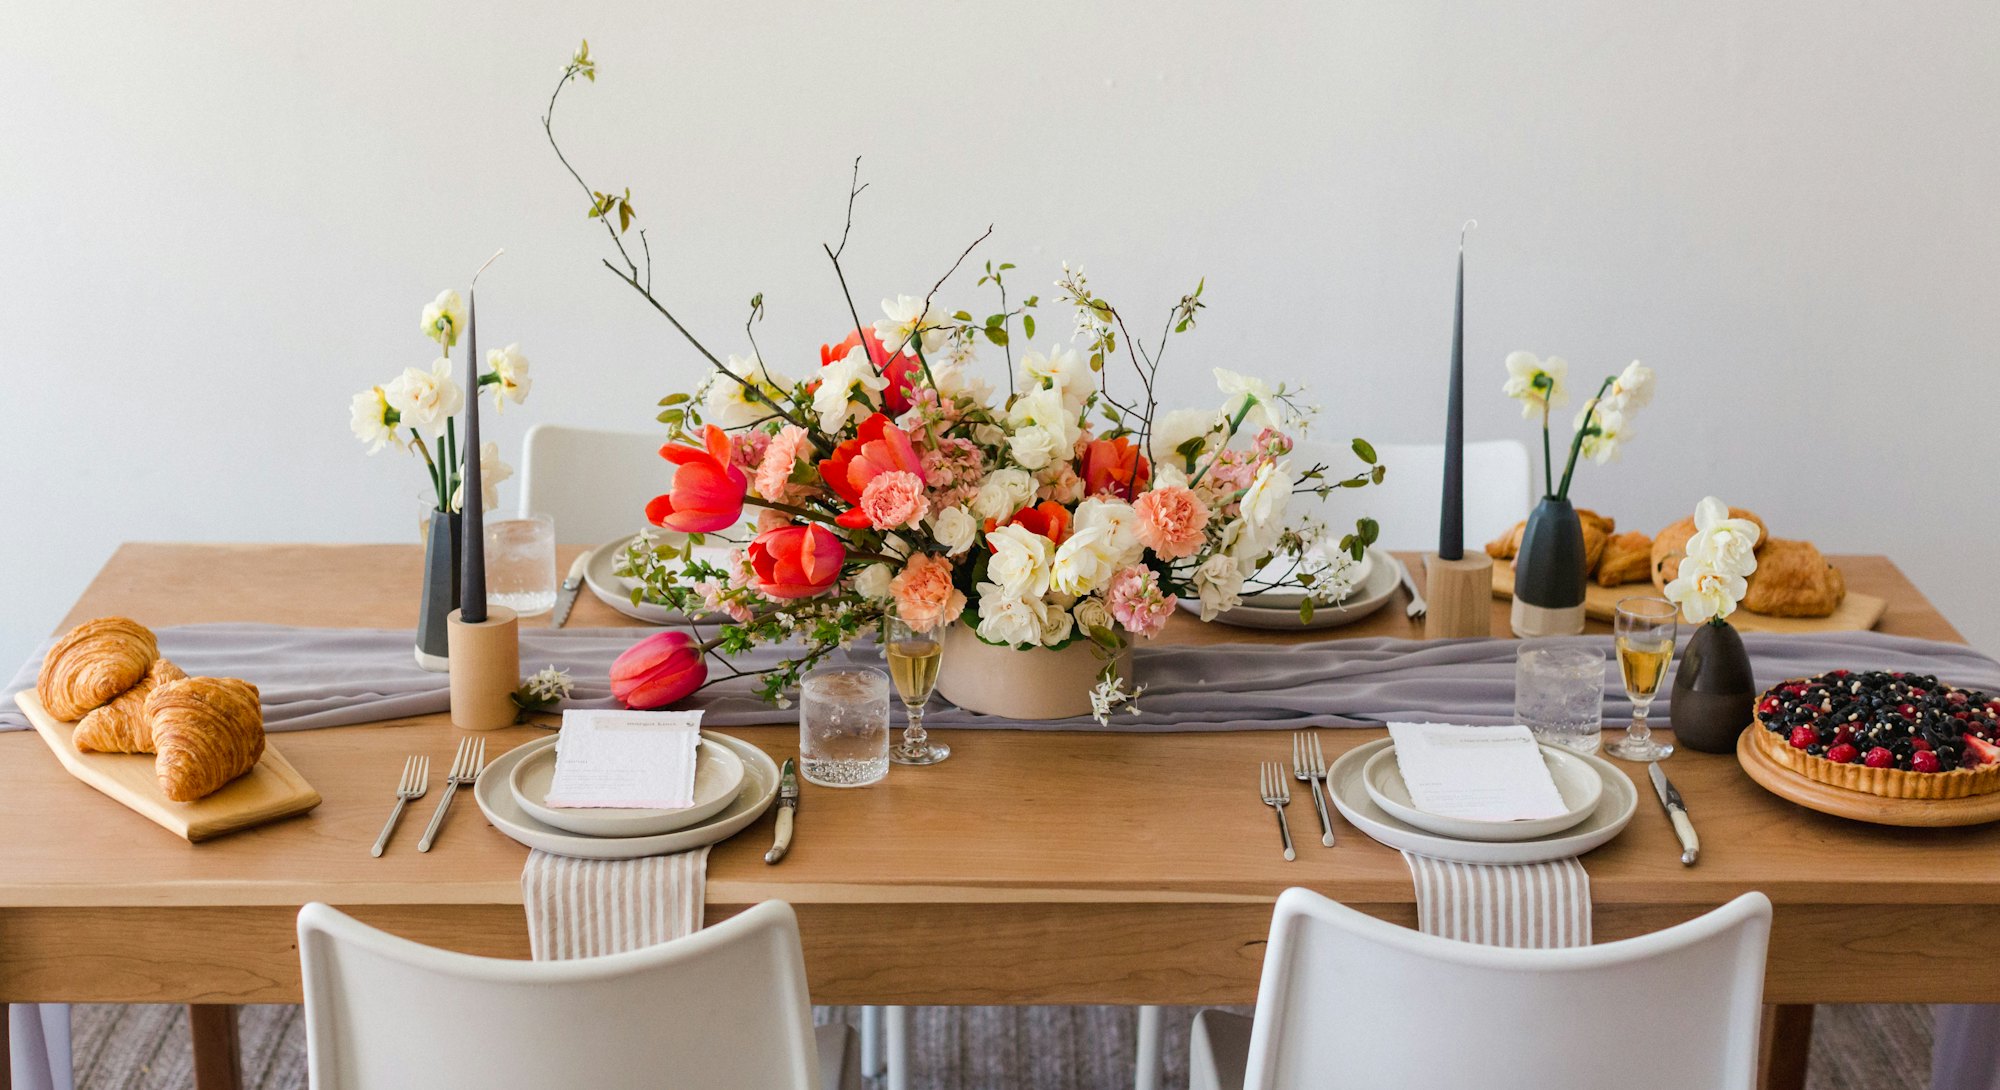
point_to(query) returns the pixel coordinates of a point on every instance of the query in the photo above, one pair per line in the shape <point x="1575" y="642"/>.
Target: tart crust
<point x="1889" y="783"/>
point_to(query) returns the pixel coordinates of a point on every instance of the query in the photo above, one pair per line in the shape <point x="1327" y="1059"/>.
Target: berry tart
<point x="1899" y="736"/>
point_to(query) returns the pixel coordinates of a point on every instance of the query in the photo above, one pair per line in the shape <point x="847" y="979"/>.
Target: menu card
<point x="635" y="760"/>
<point x="1476" y="773"/>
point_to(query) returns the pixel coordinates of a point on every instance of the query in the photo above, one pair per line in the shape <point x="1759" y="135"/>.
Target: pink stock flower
<point x="658" y="670"/>
<point x="1136" y="601"/>
<point x="925" y="596"/>
<point x="1061" y="484"/>
<point x="747" y="450"/>
<point x="1170" y="522"/>
<point x="774" y="472"/>
<point x="894" y="499"/>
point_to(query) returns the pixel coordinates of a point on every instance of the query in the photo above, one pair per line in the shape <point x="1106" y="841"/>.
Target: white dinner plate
<point x="1289" y="597"/>
<point x="1578" y="783"/>
<point x="496" y="801"/>
<point x="718" y="778"/>
<point x="614" y="590"/>
<point x="1374" y="592"/>
<point x="1344" y="787"/>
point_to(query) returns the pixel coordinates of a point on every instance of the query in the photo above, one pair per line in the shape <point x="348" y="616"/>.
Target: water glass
<point x="844" y="726"/>
<point x="1559" y="692"/>
<point x="521" y="564"/>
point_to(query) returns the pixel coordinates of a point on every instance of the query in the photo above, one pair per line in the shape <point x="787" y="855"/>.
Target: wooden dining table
<point x="1032" y="867"/>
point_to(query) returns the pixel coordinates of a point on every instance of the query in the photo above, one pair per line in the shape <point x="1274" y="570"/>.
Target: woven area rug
<point x="953" y="1048"/>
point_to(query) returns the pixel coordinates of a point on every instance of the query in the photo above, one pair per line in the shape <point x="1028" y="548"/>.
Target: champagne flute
<point x="1646" y="630"/>
<point x="914" y="657"/>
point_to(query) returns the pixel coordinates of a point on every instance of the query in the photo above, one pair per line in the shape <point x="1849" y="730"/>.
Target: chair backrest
<point x="1349" y="1001"/>
<point x="1406" y="503"/>
<point x="595" y="484"/>
<point x="723" y="1009"/>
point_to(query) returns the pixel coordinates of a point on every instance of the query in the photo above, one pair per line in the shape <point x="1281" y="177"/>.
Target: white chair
<point x="722" y="1009"/>
<point x="595" y="484"/>
<point x="1407" y="502"/>
<point x="1347" y="1000"/>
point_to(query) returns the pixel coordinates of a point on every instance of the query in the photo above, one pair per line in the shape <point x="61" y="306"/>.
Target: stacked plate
<point x="614" y="590"/>
<point x="1375" y="583"/>
<point x="1598" y="801"/>
<point x="734" y="783"/>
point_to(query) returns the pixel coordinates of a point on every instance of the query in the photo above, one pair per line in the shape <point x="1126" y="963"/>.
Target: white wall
<point x="215" y="227"/>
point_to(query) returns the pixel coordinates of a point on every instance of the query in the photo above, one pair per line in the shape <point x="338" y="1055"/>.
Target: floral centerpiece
<point x="1714" y="690"/>
<point x="904" y="471"/>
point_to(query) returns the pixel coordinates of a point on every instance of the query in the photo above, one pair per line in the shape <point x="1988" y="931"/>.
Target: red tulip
<point x="658" y="670"/>
<point x="707" y="491"/>
<point x="1115" y="466"/>
<point x="878" y="447"/>
<point x="899" y="370"/>
<point x="796" y="561"/>
<point x="1047" y="518"/>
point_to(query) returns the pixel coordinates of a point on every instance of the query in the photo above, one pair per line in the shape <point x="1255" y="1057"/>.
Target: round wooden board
<point x="1840" y="802"/>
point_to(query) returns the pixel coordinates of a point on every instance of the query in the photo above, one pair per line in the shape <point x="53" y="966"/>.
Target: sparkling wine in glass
<point x="914" y="659"/>
<point x="1646" y="630"/>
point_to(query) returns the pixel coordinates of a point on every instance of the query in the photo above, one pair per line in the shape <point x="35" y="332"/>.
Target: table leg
<point x="6" y="1040"/>
<point x="898" y="1041"/>
<point x="218" y="1064"/>
<point x="1146" y="1069"/>
<point x="1787" y="1045"/>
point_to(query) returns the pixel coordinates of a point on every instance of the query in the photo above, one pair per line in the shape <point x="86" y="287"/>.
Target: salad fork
<point x="1309" y="767"/>
<point x="415" y="781"/>
<point x="465" y="766"/>
<point x="1276" y="794"/>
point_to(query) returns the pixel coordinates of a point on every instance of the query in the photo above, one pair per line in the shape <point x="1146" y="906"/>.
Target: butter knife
<point x="566" y="597"/>
<point x="788" y="808"/>
<point x="1677" y="813"/>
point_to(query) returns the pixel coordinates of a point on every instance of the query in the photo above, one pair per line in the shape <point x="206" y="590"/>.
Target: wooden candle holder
<point x="1459" y="594"/>
<point x="485" y="669"/>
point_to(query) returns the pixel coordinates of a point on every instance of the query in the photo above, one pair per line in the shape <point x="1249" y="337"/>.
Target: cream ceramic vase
<point x="1014" y="684"/>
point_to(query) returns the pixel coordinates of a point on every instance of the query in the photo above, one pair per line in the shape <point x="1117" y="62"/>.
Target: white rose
<point x="873" y="581"/>
<point x="372" y="420"/>
<point x="1047" y="409"/>
<point x="426" y="399"/>
<point x="1003" y="492"/>
<point x="989" y="435"/>
<point x="1035" y="447"/>
<point x="510" y="374"/>
<point x="1265" y="501"/>
<point x="1093" y="615"/>
<point x="1168" y="475"/>
<point x="1178" y="427"/>
<point x="1085" y="560"/>
<point x="955" y="529"/>
<point x="491" y="472"/>
<point x="1006" y="618"/>
<point x="1020" y="562"/>
<point x="1219" y="582"/>
<point x="1057" y="625"/>
<point x="1120" y="522"/>
<point x="849" y="389"/>
<point x="1704" y="594"/>
<point x="1720" y="543"/>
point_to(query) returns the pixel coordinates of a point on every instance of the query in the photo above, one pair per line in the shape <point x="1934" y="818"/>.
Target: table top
<point x="1014" y="816"/>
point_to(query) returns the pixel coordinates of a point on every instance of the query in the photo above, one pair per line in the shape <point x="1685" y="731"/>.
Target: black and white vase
<point x="1714" y="692"/>
<point x="1549" y="573"/>
<point x="440" y="590"/>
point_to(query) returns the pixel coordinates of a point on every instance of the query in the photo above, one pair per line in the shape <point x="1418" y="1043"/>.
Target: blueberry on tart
<point x="1900" y="736"/>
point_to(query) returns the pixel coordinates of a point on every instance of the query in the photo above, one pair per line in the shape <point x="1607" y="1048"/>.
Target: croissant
<point x="92" y="663"/>
<point x="1793" y="580"/>
<point x="1671" y="545"/>
<point x="122" y="726"/>
<point x="1626" y="560"/>
<point x="207" y="731"/>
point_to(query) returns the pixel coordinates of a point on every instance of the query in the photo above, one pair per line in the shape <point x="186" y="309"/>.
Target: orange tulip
<point x="878" y="447"/>
<point x="796" y="561"/>
<point x="658" y="670"/>
<point x="1114" y="466"/>
<point x="708" y="489"/>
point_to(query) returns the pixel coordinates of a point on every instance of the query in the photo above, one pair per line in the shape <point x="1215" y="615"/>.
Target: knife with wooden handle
<point x="1677" y="813"/>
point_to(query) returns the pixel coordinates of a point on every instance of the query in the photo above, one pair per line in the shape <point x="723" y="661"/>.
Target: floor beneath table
<point x="955" y="1048"/>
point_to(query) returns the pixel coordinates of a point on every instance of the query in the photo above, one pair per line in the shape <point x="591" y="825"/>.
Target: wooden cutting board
<point x="1857" y="612"/>
<point x="1859" y="805"/>
<point x="271" y="790"/>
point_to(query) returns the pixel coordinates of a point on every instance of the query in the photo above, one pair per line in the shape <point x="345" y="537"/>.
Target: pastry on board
<point x="1670" y="545"/>
<point x="122" y="726"/>
<point x="1899" y="736"/>
<point x="1627" y="559"/>
<point x="1596" y="529"/>
<point x="1793" y="580"/>
<point x="92" y="664"/>
<point x="207" y="731"/>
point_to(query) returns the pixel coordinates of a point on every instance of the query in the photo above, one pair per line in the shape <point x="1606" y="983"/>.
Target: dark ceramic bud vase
<point x="1713" y="690"/>
<point x="1549" y="573"/>
<point x="440" y="591"/>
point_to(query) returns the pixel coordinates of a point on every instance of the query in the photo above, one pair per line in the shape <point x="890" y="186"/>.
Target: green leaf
<point x="1306" y="611"/>
<point x="673" y="399"/>
<point x="962" y="316"/>
<point x="672" y="416"/>
<point x="1028" y="325"/>
<point x="1364" y="451"/>
<point x="1031" y="300"/>
<point x="1368" y="529"/>
<point x="1005" y="265"/>
<point x="995" y="319"/>
<point x="1379" y="473"/>
<point x="996" y="335"/>
<point x="1097" y="361"/>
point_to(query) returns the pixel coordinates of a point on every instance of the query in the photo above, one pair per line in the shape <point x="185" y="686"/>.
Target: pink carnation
<point x="894" y="499"/>
<point x="1170" y="522"/>
<point x="925" y="596"/>
<point x="746" y="449"/>
<point x="1135" y="600"/>
<point x="774" y="472"/>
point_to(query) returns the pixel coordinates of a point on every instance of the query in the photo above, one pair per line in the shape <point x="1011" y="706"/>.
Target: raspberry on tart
<point x="1901" y="736"/>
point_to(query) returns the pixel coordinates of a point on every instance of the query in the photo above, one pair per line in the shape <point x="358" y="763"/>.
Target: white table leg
<point x="898" y="1019"/>
<point x="1147" y="1066"/>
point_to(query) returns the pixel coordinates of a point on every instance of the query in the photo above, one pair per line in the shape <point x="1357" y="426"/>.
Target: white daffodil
<point x="1120" y="523"/>
<point x="373" y="419"/>
<point x="1219" y="583"/>
<point x="1020" y="561"/>
<point x="491" y="472"/>
<point x="1720" y="543"/>
<point x="1003" y="492"/>
<point x="510" y="375"/>
<point x="1061" y="369"/>
<point x="425" y="399"/>
<point x="1705" y="594"/>
<point x="955" y="529"/>
<point x="728" y="403"/>
<point x="1008" y="619"/>
<point x="1537" y="384"/>
<point x="444" y="318"/>
<point x="1609" y="429"/>
<point x="954" y="382"/>
<point x="849" y="389"/>
<point x="1632" y="390"/>
<point x="1086" y="560"/>
<point x="906" y="320"/>
<point x="1253" y="399"/>
<point x="1264" y="503"/>
<point x="1180" y="427"/>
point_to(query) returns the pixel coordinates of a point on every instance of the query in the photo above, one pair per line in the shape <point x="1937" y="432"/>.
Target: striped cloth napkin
<point x="1531" y="905"/>
<point x="582" y="908"/>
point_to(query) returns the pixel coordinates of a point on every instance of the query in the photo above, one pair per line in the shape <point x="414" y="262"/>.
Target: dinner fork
<point x="415" y="781"/>
<point x="1276" y="794"/>
<point x="465" y="768"/>
<point x="1309" y="767"/>
<point x="1416" y="608"/>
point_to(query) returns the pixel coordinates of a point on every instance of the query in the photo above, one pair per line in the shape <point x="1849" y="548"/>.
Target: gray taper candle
<point x="472" y="565"/>
<point x="1451" y="519"/>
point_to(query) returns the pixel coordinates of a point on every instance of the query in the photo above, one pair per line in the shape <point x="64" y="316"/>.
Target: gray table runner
<point x="329" y="677"/>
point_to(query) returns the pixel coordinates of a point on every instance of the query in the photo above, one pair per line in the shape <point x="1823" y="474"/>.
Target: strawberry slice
<point x="1982" y="751"/>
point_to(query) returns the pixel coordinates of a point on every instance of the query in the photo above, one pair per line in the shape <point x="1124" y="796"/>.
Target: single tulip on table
<point x="658" y="670"/>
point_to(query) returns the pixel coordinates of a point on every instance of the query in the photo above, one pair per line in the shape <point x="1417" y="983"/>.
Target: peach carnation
<point x="1170" y="521"/>
<point x="925" y="596"/>
<point x="774" y="472"/>
<point x="894" y="499"/>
